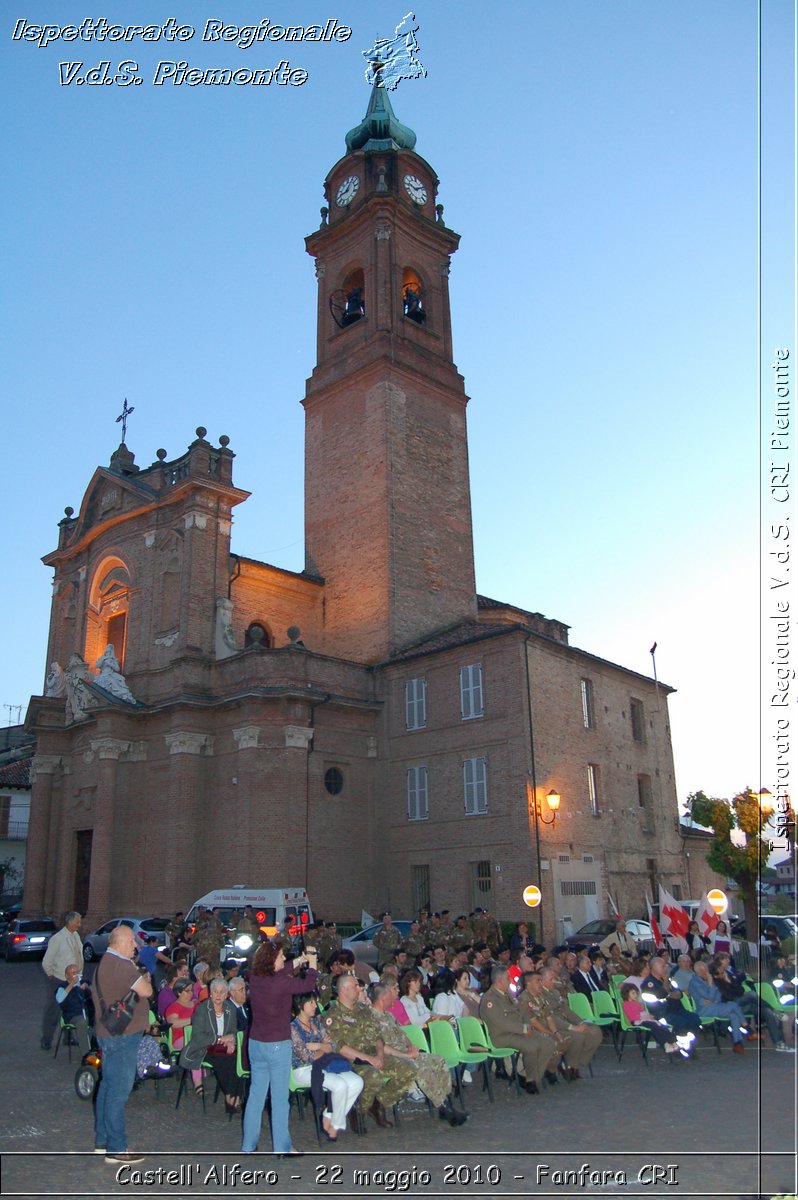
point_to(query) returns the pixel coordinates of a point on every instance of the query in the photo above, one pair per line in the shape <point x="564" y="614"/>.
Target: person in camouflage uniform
<point x="176" y="930"/>
<point x="414" y="942"/>
<point x="386" y="941"/>
<point x="479" y="926"/>
<point x="462" y="935"/>
<point x="446" y="930"/>
<point x="432" y="1075"/>
<point x="505" y="1024"/>
<point x="356" y="1035"/>
<point x="583" y="1039"/>
<point x="247" y="922"/>
<point x="334" y="937"/>
<point x="208" y="939"/>
<point x="493" y="934"/>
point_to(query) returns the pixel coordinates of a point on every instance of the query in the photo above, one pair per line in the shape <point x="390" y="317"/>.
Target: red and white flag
<point x="707" y="917"/>
<point x="674" y="920"/>
<point x="652" y="920"/>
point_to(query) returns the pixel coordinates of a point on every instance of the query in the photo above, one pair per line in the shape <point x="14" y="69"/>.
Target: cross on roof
<point x="123" y="416"/>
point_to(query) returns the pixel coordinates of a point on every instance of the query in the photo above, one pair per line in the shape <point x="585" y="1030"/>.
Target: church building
<point x="371" y="727"/>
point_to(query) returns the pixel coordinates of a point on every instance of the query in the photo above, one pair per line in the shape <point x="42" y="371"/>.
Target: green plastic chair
<point x="471" y="1036"/>
<point x="65" y="1030"/>
<point x="443" y="1041"/>
<point x="639" y="1031"/>
<point x="500" y="1052"/>
<point x="416" y="1035"/>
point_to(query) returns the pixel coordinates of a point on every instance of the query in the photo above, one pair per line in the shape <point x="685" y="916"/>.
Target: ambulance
<point x="271" y="905"/>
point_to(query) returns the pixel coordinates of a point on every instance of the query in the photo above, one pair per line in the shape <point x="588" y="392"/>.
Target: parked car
<point x="786" y="927"/>
<point x="363" y="947"/>
<point x="26" y="936"/>
<point x="596" y="931"/>
<point x="95" y="944"/>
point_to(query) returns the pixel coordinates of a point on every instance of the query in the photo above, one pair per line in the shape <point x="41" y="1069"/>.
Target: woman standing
<point x="272" y="985"/>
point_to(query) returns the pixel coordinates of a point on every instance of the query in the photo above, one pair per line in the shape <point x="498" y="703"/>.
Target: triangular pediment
<point x="107" y="498"/>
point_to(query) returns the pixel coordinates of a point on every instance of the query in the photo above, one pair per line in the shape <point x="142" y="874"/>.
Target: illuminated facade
<point x="369" y="727"/>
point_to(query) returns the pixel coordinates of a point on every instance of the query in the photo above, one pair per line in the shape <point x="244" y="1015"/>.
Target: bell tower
<point x="387" y="498"/>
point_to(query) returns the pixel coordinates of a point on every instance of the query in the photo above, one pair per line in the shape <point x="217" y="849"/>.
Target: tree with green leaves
<point x="742" y="863"/>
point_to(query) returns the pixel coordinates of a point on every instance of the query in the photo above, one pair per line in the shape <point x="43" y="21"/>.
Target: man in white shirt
<point x="64" y="949"/>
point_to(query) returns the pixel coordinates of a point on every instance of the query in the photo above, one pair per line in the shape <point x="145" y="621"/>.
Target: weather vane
<point x="391" y="60"/>
<point x="123" y="416"/>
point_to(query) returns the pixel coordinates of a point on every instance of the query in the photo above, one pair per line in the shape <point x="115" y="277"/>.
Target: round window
<point x="333" y="781"/>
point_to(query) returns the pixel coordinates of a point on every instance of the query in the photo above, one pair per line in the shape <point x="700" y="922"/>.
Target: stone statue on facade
<point x="55" y="686"/>
<point x="225" y="638"/>
<point x="79" y="698"/>
<point x="111" y="679"/>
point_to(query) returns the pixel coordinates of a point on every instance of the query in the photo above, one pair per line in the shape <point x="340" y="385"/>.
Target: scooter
<point x="89" y="1074"/>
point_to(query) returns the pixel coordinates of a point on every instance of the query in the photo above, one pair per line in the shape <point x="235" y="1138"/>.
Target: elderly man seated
<point x="508" y="1027"/>
<point x="708" y="1002"/>
<point x="358" y="1036"/>
<point x="431" y="1072"/>
<point x="683" y="975"/>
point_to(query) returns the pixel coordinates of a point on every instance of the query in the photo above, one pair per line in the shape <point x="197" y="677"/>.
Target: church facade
<point x="371" y="727"/>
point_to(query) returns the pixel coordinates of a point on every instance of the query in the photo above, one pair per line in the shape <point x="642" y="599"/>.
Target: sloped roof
<point x="16" y="774"/>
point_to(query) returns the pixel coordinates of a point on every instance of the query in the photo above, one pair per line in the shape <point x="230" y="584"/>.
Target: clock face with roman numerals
<point x="347" y="191"/>
<point x="415" y="189"/>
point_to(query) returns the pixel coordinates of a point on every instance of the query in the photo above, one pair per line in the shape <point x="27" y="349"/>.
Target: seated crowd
<point x="361" y="1040"/>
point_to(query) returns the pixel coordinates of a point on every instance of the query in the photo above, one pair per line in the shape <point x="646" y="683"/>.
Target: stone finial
<point x="201" y="431"/>
<point x="293" y="633"/>
<point x="325" y="214"/>
<point x="69" y="512"/>
<point x="224" y="441"/>
<point x="160" y="454"/>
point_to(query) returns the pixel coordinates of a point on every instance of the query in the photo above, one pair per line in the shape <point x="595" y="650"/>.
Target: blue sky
<point x="599" y="161"/>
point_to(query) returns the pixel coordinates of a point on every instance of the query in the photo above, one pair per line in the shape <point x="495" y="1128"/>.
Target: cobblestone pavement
<point x="721" y="1126"/>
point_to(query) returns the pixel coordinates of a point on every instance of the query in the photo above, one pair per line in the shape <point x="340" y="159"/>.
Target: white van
<point x="272" y="906"/>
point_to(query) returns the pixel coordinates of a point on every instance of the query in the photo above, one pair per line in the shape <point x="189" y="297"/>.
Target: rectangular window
<point x="637" y="713"/>
<point x="481" y="883"/>
<point x="471" y="705"/>
<point x="587" y="703"/>
<point x="676" y="891"/>
<point x="420" y="885"/>
<point x="475" y="786"/>
<point x="593" y="788"/>
<point x="644" y="791"/>
<point x="415" y="703"/>
<point x="417" y="794"/>
<point x="5" y="812"/>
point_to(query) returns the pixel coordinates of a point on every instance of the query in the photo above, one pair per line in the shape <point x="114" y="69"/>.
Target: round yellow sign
<point x="532" y="896"/>
<point x="718" y="901"/>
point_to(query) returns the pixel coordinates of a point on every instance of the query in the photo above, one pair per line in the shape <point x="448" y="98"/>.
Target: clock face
<point x="415" y="189"/>
<point x="347" y="191"/>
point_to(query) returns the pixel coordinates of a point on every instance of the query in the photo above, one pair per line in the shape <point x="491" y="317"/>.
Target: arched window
<point x="348" y="303"/>
<point x="109" y="607"/>
<point x="257" y="637"/>
<point x="413" y="296"/>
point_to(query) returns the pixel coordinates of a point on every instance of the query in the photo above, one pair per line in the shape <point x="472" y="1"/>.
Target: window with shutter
<point x="471" y="701"/>
<point x="417" y="794"/>
<point x="475" y="786"/>
<point x="415" y="703"/>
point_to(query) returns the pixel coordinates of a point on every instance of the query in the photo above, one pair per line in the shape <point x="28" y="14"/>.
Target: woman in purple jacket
<point x="272" y="985"/>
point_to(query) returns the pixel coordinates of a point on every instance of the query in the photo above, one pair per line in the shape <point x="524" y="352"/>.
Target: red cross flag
<point x="707" y="917"/>
<point x="674" y="920"/>
<point x="652" y="920"/>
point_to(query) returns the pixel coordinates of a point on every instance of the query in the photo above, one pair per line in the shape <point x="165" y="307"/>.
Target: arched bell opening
<point x="413" y="296"/>
<point x="348" y="303"/>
